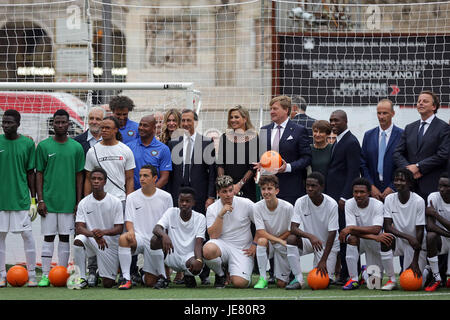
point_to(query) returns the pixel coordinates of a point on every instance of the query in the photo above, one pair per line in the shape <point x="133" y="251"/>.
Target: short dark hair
<point x="408" y="175"/>
<point x="117" y="124"/>
<point x="61" y="112"/>
<point x="151" y="168"/>
<point x="223" y="182"/>
<point x="190" y="111"/>
<point x="269" y="179"/>
<point x="121" y="102"/>
<point x="318" y="176"/>
<point x="362" y="182"/>
<point x="101" y="170"/>
<point x="187" y="190"/>
<point x="13" y="113"/>
<point x="322" y="126"/>
<point x="299" y="101"/>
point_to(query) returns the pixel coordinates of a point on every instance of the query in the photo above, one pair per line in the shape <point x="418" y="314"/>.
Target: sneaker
<point x="261" y="284"/>
<point x="219" y="282"/>
<point x="271" y="280"/>
<point x="44" y="282"/>
<point x="136" y="279"/>
<point x="162" y="283"/>
<point x="427" y="274"/>
<point x="295" y="285"/>
<point x="433" y="285"/>
<point x="78" y="284"/>
<point x="361" y="280"/>
<point x="32" y="282"/>
<point x="351" y="285"/>
<point x="206" y="281"/>
<point x="2" y="282"/>
<point x="126" y="285"/>
<point x="389" y="286"/>
<point x="92" y="279"/>
<point x="448" y="283"/>
<point x="189" y="281"/>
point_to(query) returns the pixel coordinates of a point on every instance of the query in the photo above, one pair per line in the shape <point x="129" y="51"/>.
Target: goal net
<point x="344" y="54"/>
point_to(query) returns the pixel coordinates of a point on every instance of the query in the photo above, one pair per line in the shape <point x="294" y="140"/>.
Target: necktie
<point x="420" y="134"/>
<point x="381" y="151"/>
<point x="276" y="140"/>
<point x="187" y="162"/>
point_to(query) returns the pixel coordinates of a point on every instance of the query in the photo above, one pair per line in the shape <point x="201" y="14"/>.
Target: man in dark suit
<point x="193" y="165"/>
<point x="291" y="142"/>
<point x="424" y="146"/>
<point x="344" y="167"/>
<point x="301" y="118"/>
<point x="377" y="151"/>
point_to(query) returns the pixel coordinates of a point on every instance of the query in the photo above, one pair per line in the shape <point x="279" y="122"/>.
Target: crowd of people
<point x="194" y="204"/>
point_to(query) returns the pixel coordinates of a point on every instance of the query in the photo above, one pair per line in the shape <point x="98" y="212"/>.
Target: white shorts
<point x="143" y="247"/>
<point x="280" y="262"/>
<point x="57" y="223"/>
<point x="108" y="259"/>
<point x="403" y="248"/>
<point x="372" y="249"/>
<point x="15" y="221"/>
<point x="445" y="246"/>
<point x="238" y="263"/>
<point x="178" y="262"/>
<point x="332" y="257"/>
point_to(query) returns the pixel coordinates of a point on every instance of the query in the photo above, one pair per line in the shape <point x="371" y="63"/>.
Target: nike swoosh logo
<point x="138" y="208"/>
<point x="51" y="155"/>
<point x="2" y="150"/>
<point x="89" y="212"/>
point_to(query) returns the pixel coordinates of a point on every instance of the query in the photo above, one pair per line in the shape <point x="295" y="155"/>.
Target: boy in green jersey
<point x="59" y="180"/>
<point x="17" y="172"/>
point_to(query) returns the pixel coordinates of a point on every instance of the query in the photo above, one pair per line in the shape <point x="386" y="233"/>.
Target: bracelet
<point x="254" y="243"/>
<point x="199" y="260"/>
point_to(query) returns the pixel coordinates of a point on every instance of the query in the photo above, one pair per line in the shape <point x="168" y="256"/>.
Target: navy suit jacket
<point x="295" y="150"/>
<point x="344" y="167"/>
<point x="82" y="139"/>
<point x="369" y="157"/>
<point x="202" y="171"/>
<point x="432" y="155"/>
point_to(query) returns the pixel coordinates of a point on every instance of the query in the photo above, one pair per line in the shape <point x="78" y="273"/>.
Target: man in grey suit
<point x="424" y="146"/>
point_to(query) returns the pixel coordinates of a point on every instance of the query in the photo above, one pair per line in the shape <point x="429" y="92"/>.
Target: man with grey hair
<point x="299" y="111"/>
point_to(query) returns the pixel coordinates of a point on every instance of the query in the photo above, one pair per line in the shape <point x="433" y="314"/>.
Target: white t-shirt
<point x="103" y="214"/>
<point x="405" y="216"/>
<point x="372" y="215"/>
<point x="144" y="212"/>
<point x="441" y="207"/>
<point x="236" y="224"/>
<point x="183" y="233"/>
<point x="115" y="160"/>
<point x="316" y="220"/>
<point x="274" y="222"/>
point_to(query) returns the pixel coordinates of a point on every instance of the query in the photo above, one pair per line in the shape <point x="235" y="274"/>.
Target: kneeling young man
<point x="404" y="217"/>
<point x="98" y="224"/>
<point x="272" y="221"/>
<point x="143" y="209"/>
<point x="317" y="213"/>
<point x="228" y="221"/>
<point x="183" y="241"/>
<point x="364" y="221"/>
<point x="438" y="230"/>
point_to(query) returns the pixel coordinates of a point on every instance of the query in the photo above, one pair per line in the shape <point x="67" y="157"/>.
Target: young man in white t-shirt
<point x="362" y="234"/>
<point x="314" y="227"/>
<point x="180" y="234"/>
<point x="144" y="208"/>
<point x="99" y="223"/>
<point x="404" y="217"/>
<point x="272" y="222"/>
<point x="115" y="158"/>
<point x="437" y="216"/>
<point x="228" y="223"/>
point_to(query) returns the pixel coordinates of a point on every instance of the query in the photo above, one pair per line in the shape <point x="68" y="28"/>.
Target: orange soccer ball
<point x="58" y="276"/>
<point x="409" y="282"/>
<point x="316" y="281"/>
<point x="271" y="160"/>
<point x="17" y="276"/>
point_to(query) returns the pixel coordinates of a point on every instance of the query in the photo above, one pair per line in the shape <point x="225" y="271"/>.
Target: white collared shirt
<point x="272" y="137"/>
<point x="339" y="137"/>
<point x="91" y="139"/>
<point x="185" y="142"/>
<point x="428" y="122"/>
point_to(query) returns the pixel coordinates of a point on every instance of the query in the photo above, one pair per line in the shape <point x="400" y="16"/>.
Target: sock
<point x="158" y="257"/>
<point x="435" y="267"/>
<point x="387" y="259"/>
<point x="3" y="254"/>
<point x="216" y="266"/>
<point x="294" y="262"/>
<point x="79" y="258"/>
<point x="352" y="261"/>
<point x="63" y="253"/>
<point x="46" y="256"/>
<point x="30" y="252"/>
<point x="125" y="262"/>
<point x="261" y="256"/>
<point x="331" y="264"/>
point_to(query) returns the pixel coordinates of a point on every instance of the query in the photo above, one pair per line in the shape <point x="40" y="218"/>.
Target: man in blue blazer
<point x="291" y="142"/>
<point x="377" y="163"/>
<point x="424" y="146"/>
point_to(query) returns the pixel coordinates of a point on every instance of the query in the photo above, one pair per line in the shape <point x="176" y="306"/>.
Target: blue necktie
<point x="381" y="151"/>
<point x="420" y="134"/>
